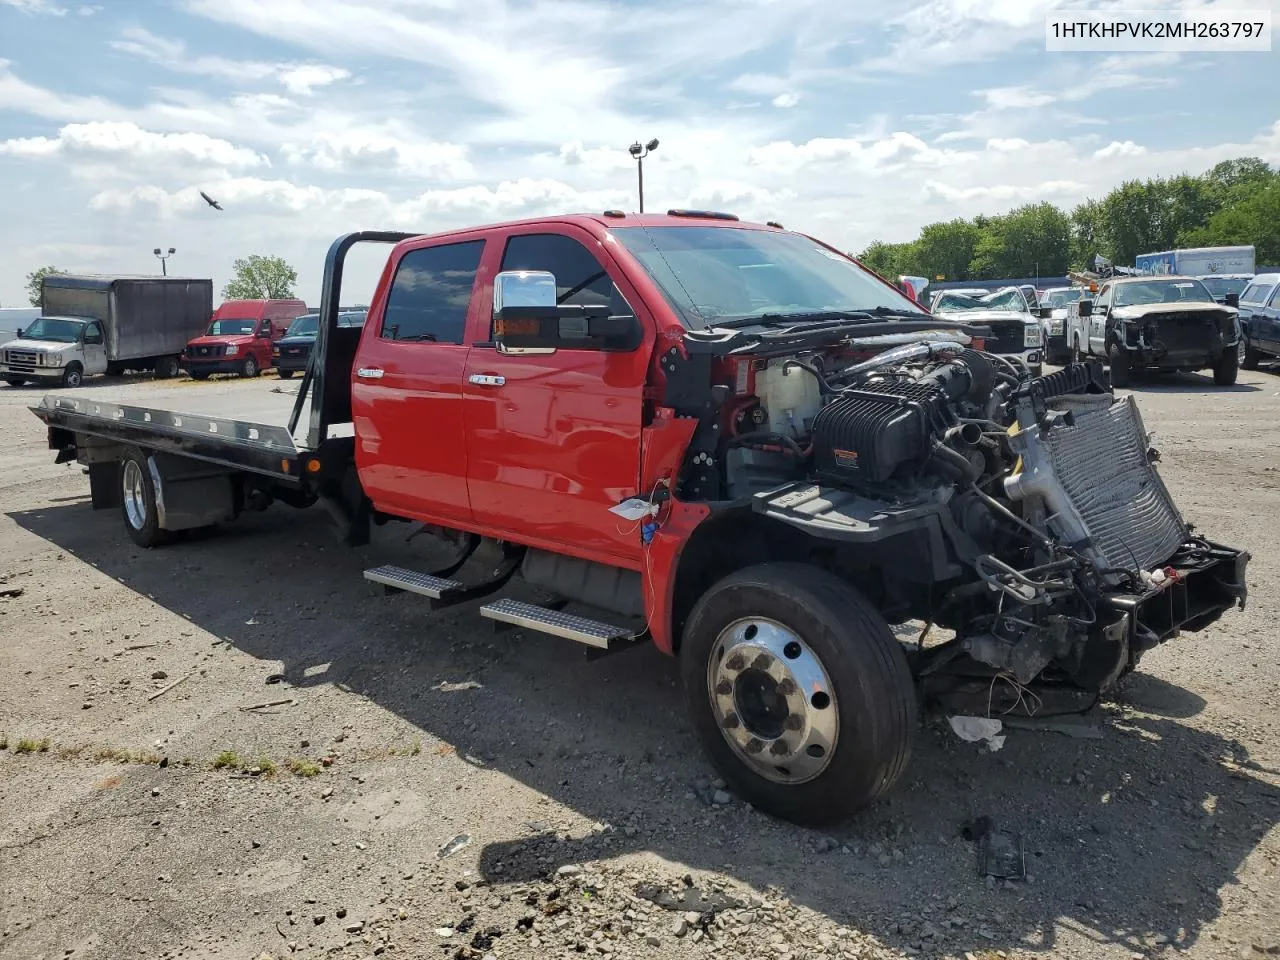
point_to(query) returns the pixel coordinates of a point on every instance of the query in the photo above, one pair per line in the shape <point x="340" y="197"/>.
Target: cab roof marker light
<point x="702" y="214"/>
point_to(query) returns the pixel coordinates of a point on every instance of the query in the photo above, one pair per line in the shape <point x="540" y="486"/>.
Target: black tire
<point x="1079" y="355"/>
<point x="199" y="374"/>
<point x="1118" y="358"/>
<point x="1248" y="357"/>
<point x="73" y="376"/>
<point x="872" y="689"/>
<point x="285" y="374"/>
<point x="250" y="366"/>
<point x="138" y="501"/>
<point x="166" y="368"/>
<point x="1227" y="369"/>
<point x="14" y="381"/>
<point x="114" y="369"/>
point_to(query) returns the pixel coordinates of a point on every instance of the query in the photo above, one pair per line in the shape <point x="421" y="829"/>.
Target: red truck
<point x="239" y="337"/>
<point x="729" y="439"/>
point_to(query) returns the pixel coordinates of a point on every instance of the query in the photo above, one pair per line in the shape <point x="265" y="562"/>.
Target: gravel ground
<point x="429" y="789"/>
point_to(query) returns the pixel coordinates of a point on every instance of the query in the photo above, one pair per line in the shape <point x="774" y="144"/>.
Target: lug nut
<point x="724" y="688"/>
<point x="736" y="662"/>
<point x="731" y="721"/>
<point x="762" y="662"/>
<point x="755" y="745"/>
<point x="786" y="687"/>
<point x="794" y="722"/>
<point x="779" y="748"/>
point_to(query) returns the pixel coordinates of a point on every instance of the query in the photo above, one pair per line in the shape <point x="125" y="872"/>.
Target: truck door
<point x="1098" y="322"/>
<point x="554" y="438"/>
<point x="406" y="393"/>
<point x="1266" y="320"/>
<point x="95" y="349"/>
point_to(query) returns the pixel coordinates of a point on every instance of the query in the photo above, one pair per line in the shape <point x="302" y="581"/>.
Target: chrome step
<point x="423" y="584"/>
<point x="591" y="632"/>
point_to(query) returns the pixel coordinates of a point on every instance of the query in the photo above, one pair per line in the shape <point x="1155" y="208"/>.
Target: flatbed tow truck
<point x="726" y="438"/>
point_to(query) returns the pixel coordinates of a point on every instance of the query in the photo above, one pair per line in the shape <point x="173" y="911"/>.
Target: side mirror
<point x="1086" y="308"/>
<point x="527" y="317"/>
<point x="265" y="331"/>
<point x="18" y="333"/>
<point x="1233" y="300"/>
<point x="1044" y="313"/>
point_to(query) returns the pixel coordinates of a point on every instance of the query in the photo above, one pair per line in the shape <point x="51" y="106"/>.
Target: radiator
<point x="1101" y="494"/>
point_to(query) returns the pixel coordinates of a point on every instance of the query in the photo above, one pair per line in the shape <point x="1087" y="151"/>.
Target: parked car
<point x="1260" y="320"/>
<point x="614" y="410"/>
<point x="290" y="353"/>
<point x="962" y="291"/>
<point x="1015" y="329"/>
<point x="1054" y="323"/>
<point x="91" y="325"/>
<point x="239" y="337"/>
<point x="1222" y="285"/>
<point x="1158" y="323"/>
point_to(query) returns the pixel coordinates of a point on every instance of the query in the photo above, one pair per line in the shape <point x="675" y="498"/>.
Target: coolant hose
<point x="954" y="464"/>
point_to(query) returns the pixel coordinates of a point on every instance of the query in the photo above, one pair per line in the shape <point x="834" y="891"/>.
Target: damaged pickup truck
<point x="729" y="439"/>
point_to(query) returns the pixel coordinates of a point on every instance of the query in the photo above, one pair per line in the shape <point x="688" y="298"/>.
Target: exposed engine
<point x="1023" y="513"/>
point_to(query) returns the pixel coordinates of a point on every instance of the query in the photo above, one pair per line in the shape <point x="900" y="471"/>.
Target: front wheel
<point x="1118" y="358"/>
<point x="1227" y="369"/>
<point x="798" y="691"/>
<point x="1247" y="357"/>
<point x="250" y="367"/>
<point x="166" y="368"/>
<point x="73" y="376"/>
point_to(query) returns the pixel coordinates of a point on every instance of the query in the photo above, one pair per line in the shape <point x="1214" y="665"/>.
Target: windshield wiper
<point x="817" y="316"/>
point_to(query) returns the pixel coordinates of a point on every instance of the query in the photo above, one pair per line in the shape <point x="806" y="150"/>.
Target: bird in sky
<point x="210" y="201"/>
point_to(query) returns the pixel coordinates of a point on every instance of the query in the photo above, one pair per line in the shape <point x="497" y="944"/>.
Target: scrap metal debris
<point x="1000" y="852"/>
<point x="10" y="592"/>
<point x="453" y="846"/>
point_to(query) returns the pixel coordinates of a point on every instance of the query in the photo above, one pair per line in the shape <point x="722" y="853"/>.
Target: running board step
<point x="593" y="633"/>
<point x="435" y="589"/>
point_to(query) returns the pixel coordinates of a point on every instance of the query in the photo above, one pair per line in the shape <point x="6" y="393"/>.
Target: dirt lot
<point x="430" y="789"/>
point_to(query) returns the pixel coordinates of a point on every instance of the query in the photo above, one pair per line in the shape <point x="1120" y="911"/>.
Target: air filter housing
<point x="867" y="435"/>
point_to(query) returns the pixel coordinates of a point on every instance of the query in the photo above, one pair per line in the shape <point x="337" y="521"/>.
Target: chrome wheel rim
<point x="73" y="378"/>
<point x="773" y="700"/>
<point x="250" y="367"/>
<point x="135" y="495"/>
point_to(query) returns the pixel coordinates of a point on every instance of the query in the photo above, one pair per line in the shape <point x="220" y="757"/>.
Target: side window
<point x="1104" y="297"/>
<point x="1275" y="295"/>
<point x="93" y="333"/>
<point x="580" y="279"/>
<point x="431" y="292"/>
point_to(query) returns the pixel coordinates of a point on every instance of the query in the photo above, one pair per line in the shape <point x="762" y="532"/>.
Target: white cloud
<point x="1117" y="148"/>
<point x="897" y="148"/>
<point x="333" y="153"/>
<point x="297" y="78"/>
<point x="1003" y="194"/>
<point x="36" y="7"/>
<point x="786" y="100"/>
<point x="1007" y="144"/>
<point x="129" y="142"/>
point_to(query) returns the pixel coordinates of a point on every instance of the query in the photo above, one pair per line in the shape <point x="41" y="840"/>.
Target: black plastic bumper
<point x="227" y="365"/>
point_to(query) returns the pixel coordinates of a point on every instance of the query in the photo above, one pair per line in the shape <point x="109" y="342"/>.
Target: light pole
<point x="640" y="152"/>
<point x="164" y="268"/>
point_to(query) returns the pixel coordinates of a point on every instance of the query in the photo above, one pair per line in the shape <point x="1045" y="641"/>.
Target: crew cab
<point x="1158" y="324"/>
<point x="729" y="439"/>
<point x="239" y="337"/>
<point x="290" y="353"/>
<point x="1015" y="329"/>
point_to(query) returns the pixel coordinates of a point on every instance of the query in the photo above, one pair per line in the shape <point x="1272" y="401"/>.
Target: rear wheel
<point x="166" y="368"/>
<point x="14" y="381"/>
<point x="250" y="367"/>
<point x="286" y="374"/>
<point x="798" y="691"/>
<point x="138" y="501"/>
<point x="1227" y="369"/>
<point x="73" y="376"/>
<point x="1118" y="358"/>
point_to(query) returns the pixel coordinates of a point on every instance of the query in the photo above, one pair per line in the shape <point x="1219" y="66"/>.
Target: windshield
<point x="1221" y="286"/>
<point x="721" y="273"/>
<point x="1161" y="291"/>
<point x="232" y="326"/>
<point x="1060" y="298"/>
<point x="58" y="331"/>
<point x="354" y="319"/>
<point x="304" y="326"/>
<point x="1010" y="299"/>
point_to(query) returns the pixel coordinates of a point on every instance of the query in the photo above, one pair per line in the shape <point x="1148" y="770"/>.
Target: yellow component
<point x="313" y="466"/>
<point x="1014" y="429"/>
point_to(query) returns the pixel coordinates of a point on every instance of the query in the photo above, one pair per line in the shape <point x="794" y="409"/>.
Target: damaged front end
<point x="1109" y="568"/>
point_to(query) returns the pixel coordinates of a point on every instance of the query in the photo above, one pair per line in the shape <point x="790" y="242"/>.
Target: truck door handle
<point x="487" y="380"/>
<point x="369" y="373"/>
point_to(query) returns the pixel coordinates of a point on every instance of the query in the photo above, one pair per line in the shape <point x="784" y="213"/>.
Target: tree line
<point x="253" y="278"/>
<point x="1237" y="202"/>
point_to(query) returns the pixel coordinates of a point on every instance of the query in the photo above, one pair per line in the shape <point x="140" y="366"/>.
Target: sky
<point x="851" y="121"/>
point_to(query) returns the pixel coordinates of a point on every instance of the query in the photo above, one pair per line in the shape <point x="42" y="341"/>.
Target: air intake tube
<point x="969" y="375"/>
